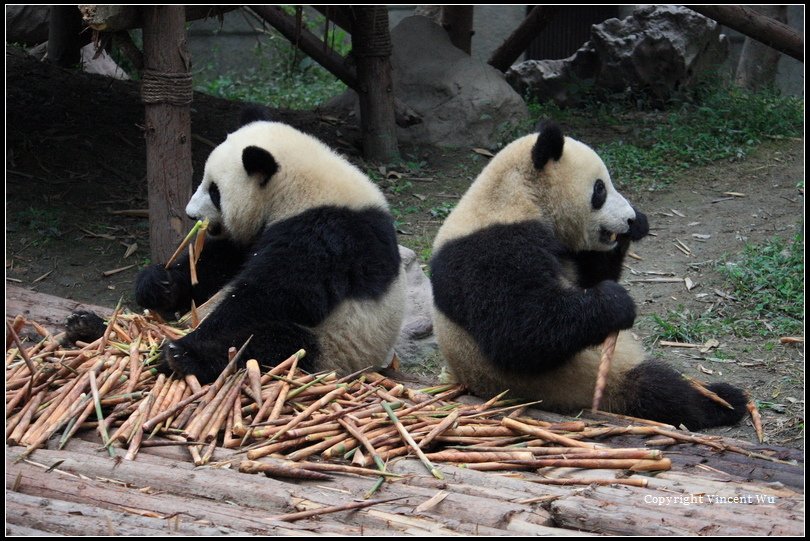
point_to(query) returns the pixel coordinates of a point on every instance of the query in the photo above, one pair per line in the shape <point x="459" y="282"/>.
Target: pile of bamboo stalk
<point x="313" y="421"/>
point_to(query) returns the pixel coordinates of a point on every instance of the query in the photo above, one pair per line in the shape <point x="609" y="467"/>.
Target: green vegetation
<point x="768" y="280"/>
<point x="650" y="148"/>
<point x="46" y="223"/>
<point x="282" y="76"/>
<point x="768" y="287"/>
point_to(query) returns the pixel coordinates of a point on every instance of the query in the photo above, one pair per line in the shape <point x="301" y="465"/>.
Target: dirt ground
<point x="75" y="160"/>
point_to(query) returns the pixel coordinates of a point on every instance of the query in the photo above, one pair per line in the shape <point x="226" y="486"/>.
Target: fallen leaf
<point x="710" y="344"/>
<point x="483" y="152"/>
<point x="130" y="249"/>
<point x="701" y="236"/>
<point x="705" y="370"/>
<point x="678" y="213"/>
<point x="688" y="283"/>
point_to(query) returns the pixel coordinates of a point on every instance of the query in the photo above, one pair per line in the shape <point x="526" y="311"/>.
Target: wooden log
<point x="759" y="27"/>
<point x="48" y="310"/>
<point x="166" y="91"/>
<point x="103" y="495"/>
<point x="308" y="42"/>
<point x="63" y="518"/>
<point x="518" y="41"/>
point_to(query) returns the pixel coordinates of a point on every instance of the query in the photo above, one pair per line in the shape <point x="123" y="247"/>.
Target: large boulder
<point x="461" y="101"/>
<point x="658" y="51"/>
<point x="416" y="341"/>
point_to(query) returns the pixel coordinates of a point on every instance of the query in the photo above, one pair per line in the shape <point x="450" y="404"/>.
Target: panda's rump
<point x="360" y="333"/>
<point x="568" y="387"/>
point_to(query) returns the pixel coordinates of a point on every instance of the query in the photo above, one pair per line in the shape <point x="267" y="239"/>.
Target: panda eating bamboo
<point x="303" y="249"/>
<point x="525" y="282"/>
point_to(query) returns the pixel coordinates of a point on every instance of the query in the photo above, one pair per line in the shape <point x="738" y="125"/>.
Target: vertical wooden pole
<point x="458" y="22"/>
<point x="64" y="40"/>
<point x="371" y="44"/>
<point x="166" y="91"/>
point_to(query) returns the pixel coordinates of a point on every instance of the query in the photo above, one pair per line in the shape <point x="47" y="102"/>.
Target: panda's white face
<point x="233" y="193"/>
<point x="597" y="213"/>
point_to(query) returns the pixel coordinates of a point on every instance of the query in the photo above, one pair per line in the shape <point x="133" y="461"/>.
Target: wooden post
<point x="458" y="22"/>
<point x="519" y="40"/>
<point x="64" y="36"/>
<point x="756" y="68"/>
<point x="371" y="43"/>
<point x="167" y="92"/>
<point x="759" y="27"/>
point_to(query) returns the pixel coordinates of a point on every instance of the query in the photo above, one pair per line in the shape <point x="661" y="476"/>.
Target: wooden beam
<point x="757" y="26"/>
<point x="113" y="18"/>
<point x="308" y="42"/>
<point x="519" y="40"/>
<point x="166" y="91"/>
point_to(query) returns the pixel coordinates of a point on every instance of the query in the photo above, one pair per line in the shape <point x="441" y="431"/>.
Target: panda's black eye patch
<point x="213" y="193"/>
<point x="599" y="194"/>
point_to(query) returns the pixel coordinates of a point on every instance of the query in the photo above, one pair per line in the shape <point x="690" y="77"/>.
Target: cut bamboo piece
<point x="608" y="348"/>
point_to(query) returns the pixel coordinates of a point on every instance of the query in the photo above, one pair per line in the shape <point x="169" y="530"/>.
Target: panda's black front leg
<point x="596" y="266"/>
<point x="169" y="291"/>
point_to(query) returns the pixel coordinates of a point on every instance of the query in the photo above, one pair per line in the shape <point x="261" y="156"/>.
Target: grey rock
<point x="461" y="101"/>
<point x="416" y="341"/>
<point x="27" y="25"/>
<point x="658" y="51"/>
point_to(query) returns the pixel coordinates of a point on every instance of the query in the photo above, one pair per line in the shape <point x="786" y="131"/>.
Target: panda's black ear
<point x="258" y="160"/>
<point x="253" y="113"/>
<point x="549" y="145"/>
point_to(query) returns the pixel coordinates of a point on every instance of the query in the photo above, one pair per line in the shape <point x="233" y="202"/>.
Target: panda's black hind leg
<point x="653" y="390"/>
<point x="84" y="326"/>
<point x="205" y="354"/>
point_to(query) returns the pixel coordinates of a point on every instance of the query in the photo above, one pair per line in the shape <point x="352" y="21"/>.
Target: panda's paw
<point x="617" y="306"/>
<point x="155" y="289"/>
<point x="84" y="326"/>
<point x="184" y="357"/>
<point x="640" y="227"/>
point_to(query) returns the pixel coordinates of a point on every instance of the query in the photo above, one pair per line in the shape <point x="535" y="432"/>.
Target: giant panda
<point x="304" y="249"/>
<point x="524" y="276"/>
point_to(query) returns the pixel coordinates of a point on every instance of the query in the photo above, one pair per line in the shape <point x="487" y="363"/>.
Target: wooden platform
<point x="82" y="491"/>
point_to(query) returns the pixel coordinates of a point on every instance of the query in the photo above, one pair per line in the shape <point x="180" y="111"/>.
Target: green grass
<point x="768" y="281"/>
<point x="283" y="77"/>
<point x="720" y="122"/>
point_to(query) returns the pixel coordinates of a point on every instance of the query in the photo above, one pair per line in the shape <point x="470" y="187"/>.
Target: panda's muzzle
<point x="607" y="237"/>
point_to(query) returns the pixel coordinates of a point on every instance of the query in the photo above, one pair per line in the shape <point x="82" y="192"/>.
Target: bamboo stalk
<point x="291" y="517"/>
<point x="184" y="243"/>
<point x="409" y="440"/>
<point x="701" y="389"/>
<point x="544" y="434"/>
<point x="326" y="399"/>
<point x="641" y="483"/>
<point x="608" y="348"/>
<point x="23" y="419"/>
<point x="467" y="457"/>
<point x="278" y="470"/>
<point x="254" y="375"/>
<point x="756" y="418"/>
<point x="631" y="464"/>
<point x="446" y="423"/>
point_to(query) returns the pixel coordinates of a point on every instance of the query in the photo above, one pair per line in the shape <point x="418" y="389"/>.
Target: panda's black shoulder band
<point x="549" y="145"/>
<point x="253" y="113"/>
